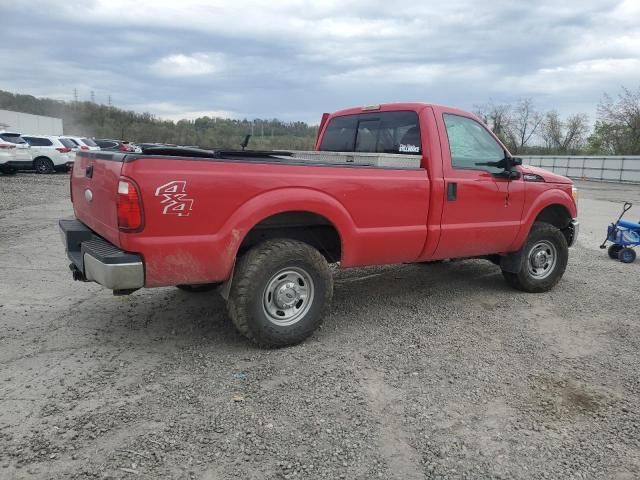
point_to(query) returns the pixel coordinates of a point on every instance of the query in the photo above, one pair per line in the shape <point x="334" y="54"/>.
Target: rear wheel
<point x="280" y="293"/>
<point x="627" y="255"/>
<point x="614" y="250"/>
<point x="544" y="260"/>
<point x="43" y="165"/>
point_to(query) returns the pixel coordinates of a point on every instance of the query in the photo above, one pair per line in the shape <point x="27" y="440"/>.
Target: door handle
<point x="452" y="191"/>
<point x="88" y="172"/>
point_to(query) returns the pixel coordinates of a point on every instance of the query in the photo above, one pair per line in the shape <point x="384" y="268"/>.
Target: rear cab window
<point x="376" y="132"/>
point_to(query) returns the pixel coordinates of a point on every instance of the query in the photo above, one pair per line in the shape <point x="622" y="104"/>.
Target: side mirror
<point x="508" y="174"/>
<point x="516" y="161"/>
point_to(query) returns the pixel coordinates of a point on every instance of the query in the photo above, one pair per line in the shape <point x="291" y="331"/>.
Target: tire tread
<point x="250" y="265"/>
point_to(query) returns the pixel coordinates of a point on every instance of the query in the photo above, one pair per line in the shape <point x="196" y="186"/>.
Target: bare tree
<point x="525" y="121"/>
<point x="576" y="129"/>
<point x="498" y="118"/>
<point x="617" y="130"/>
<point x="564" y="136"/>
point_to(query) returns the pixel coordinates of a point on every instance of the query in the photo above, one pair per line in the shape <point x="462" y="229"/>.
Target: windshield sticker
<point x="409" y="148"/>
<point x="175" y="200"/>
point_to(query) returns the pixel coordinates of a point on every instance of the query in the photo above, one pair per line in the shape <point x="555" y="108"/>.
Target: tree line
<point x="521" y="126"/>
<point x="527" y="130"/>
<point x="104" y="121"/>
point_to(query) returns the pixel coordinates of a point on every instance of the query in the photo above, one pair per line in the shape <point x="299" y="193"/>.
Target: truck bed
<point x="287" y="157"/>
<point x="378" y="204"/>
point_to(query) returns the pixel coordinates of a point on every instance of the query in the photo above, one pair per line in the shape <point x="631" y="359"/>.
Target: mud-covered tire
<point x="614" y="250"/>
<point x="543" y="260"/>
<point x="43" y="165"/>
<point x="201" y="288"/>
<point x="268" y="276"/>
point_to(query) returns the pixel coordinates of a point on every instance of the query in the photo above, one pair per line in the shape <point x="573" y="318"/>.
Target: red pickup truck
<point x="395" y="183"/>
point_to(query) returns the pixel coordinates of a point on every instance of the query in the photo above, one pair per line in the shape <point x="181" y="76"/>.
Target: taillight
<point x="84" y="147"/>
<point x="7" y="146"/>
<point x="130" y="215"/>
<point x="63" y="149"/>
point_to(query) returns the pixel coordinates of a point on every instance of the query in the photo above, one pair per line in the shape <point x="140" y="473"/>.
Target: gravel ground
<point x="421" y="371"/>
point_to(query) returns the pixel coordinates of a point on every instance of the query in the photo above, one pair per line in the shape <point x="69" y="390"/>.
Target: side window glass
<point x="470" y="143"/>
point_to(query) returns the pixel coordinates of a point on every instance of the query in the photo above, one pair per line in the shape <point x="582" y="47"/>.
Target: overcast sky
<point x="294" y="60"/>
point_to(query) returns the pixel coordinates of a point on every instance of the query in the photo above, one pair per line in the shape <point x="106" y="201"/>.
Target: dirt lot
<point x="421" y="371"/>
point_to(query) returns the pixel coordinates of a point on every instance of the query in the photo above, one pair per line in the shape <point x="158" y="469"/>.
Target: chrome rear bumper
<point x="93" y="259"/>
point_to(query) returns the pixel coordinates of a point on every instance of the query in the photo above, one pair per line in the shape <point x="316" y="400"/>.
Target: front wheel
<point x="280" y="293"/>
<point x="614" y="250"/>
<point x="544" y="260"/>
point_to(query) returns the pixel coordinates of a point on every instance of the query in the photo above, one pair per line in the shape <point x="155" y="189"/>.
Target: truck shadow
<point x="186" y="318"/>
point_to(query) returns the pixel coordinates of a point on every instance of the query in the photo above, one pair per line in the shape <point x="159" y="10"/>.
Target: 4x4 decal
<point x="175" y="201"/>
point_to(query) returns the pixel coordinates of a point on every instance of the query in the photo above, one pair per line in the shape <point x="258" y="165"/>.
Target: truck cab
<point x="480" y="209"/>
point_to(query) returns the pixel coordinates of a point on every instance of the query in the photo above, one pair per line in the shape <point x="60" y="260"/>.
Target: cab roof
<point x="391" y="107"/>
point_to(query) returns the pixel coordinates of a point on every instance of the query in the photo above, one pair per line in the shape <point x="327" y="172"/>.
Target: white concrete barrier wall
<point x="621" y="169"/>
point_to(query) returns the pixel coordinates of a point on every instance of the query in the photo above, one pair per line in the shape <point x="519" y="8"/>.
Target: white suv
<point x="14" y="151"/>
<point x="83" y="143"/>
<point x="50" y="153"/>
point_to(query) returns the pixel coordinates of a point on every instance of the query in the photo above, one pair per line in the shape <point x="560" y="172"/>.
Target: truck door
<point x="481" y="213"/>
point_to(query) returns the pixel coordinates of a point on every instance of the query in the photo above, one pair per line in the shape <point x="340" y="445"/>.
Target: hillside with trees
<point x="524" y="128"/>
<point x="103" y="121"/>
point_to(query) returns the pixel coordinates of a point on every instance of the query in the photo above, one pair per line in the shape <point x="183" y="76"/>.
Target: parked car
<point x="14" y="152"/>
<point x="114" y="145"/>
<point x="7" y="157"/>
<point x="395" y="183"/>
<point x="50" y="153"/>
<point x="82" y="143"/>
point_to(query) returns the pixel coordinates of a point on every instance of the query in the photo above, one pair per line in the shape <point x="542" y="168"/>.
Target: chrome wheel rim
<point x="288" y="296"/>
<point x="542" y="259"/>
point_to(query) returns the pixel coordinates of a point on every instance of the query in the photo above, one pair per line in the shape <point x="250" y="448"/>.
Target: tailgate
<point x="94" y="186"/>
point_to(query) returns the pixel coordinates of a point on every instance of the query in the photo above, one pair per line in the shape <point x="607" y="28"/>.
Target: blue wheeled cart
<point x="624" y="237"/>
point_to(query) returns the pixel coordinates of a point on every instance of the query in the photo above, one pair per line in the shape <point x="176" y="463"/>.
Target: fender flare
<point x="282" y="200"/>
<point x="546" y="199"/>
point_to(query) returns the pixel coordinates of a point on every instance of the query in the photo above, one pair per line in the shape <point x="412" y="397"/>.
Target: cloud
<point x="294" y="60"/>
<point x="181" y="65"/>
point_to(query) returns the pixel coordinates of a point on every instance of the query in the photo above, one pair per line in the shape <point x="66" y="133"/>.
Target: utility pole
<point x="93" y="96"/>
<point x="109" y="100"/>
<point x="75" y="95"/>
